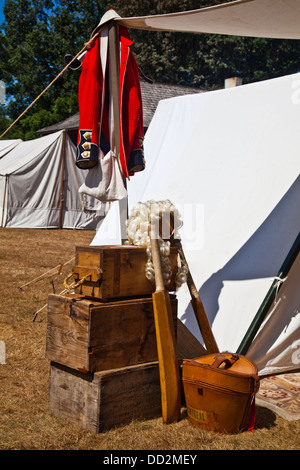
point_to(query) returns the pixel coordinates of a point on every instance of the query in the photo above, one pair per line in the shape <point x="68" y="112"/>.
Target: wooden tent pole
<point x="4" y="200"/>
<point x="63" y="159"/>
<point x="114" y="74"/>
<point x="267" y="302"/>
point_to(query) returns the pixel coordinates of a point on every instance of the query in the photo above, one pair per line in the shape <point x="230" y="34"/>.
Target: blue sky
<point x="1" y="11"/>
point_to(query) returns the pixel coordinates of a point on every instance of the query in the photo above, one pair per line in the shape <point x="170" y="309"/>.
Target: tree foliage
<point x="36" y="36"/>
<point x="34" y="40"/>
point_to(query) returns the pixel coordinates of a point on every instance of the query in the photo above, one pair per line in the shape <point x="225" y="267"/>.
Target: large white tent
<point x="229" y="160"/>
<point x="39" y="185"/>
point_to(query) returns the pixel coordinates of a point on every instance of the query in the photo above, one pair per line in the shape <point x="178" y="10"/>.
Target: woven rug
<point x="281" y="394"/>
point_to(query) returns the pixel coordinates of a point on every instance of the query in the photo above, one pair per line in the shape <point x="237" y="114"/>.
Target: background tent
<point x="39" y="185"/>
<point x="229" y="160"/>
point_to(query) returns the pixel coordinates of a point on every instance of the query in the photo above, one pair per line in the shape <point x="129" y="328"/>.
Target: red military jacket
<point x="93" y="103"/>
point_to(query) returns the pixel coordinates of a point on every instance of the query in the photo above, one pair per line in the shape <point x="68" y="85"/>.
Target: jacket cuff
<point x="87" y="153"/>
<point x="136" y="161"/>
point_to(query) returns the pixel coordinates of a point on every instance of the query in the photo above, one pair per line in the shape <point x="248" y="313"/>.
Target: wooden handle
<point x="166" y="225"/>
<point x="159" y="280"/>
<point x="166" y="343"/>
<point x="203" y="323"/>
<point x="167" y="358"/>
<point x="204" y="326"/>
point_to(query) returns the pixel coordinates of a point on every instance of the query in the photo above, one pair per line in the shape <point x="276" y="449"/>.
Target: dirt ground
<point x="26" y="258"/>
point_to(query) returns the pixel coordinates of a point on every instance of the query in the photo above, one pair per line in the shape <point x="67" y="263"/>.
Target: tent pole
<point x="63" y="158"/>
<point x="114" y="74"/>
<point x="4" y="200"/>
<point x="262" y="311"/>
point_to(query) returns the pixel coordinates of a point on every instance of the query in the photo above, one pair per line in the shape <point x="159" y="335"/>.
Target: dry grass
<point x="25" y="421"/>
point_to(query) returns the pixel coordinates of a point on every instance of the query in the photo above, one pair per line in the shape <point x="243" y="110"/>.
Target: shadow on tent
<point x="260" y="257"/>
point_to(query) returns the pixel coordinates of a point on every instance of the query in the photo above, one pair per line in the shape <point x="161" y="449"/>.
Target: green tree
<point x="36" y="36"/>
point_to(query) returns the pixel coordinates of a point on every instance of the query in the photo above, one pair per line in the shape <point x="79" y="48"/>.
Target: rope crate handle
<point x="76" y="284"/>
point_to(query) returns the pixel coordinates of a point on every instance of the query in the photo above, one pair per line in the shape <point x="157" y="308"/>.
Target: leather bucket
<point x="219" y="391"/>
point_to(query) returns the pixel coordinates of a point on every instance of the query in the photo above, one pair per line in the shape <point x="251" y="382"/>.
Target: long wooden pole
<point x="114" y="80"/>
<point x="63" y="162"/>
<point x="4" y="200"/>
<point x="269" y="298"/>
<point x="114" y="74"/>
<point x="198" y="307"/>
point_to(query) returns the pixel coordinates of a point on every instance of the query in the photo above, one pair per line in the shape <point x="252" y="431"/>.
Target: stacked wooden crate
<point x="101" y="340"/>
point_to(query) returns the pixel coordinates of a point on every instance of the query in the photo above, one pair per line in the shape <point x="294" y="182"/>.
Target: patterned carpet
<point x="281" y="394"/>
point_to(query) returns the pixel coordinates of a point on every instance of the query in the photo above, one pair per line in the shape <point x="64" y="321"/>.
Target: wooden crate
<point x="115" y="271"/>
<point x="101" y="401"/>
<point x="91" y="336"/>
<point x="108" y="399"/>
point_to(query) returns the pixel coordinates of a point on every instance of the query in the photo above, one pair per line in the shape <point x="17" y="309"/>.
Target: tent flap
<point x="7" y="145"/>
<point x="276" y="347"/>
<point x="255" y="18"/>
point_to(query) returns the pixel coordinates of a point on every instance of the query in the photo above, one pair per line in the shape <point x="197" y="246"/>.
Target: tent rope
<point x="86" y="46"/>
<point x="44" y="306"/>
<point x="77" y="284"/>
<point x="47" y="272"/>
<point x="277" y="285"/>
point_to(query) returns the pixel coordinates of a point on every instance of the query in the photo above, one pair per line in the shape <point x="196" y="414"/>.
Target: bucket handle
<point x="220" y="359"/>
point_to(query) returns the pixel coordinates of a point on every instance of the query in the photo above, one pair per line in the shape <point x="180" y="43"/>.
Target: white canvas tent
<point x="39" y="185"/>
<point x="229" y="160"/>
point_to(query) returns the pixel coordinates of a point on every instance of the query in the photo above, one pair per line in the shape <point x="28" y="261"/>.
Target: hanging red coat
<point x="92" y="104"/>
